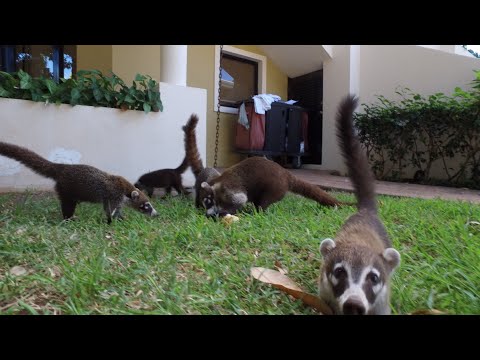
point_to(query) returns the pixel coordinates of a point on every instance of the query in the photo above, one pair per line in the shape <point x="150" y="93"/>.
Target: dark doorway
<point x="308" y="91"/>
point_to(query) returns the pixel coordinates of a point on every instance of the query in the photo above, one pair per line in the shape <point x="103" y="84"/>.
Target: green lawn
<point x="182" y="263"/>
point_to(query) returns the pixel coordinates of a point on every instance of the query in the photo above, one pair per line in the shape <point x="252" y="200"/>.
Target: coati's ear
<point x="205" y="185"/>
<point x="326" y="246"/>
<point x="135" y="194"/>
<point x="392" y="257"/>
<point x="239" y="198"/>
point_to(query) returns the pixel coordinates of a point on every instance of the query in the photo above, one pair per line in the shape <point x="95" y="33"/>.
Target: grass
<point x="183" y="263"/>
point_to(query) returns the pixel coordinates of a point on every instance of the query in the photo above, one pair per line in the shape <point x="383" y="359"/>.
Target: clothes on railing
<point x="242" y="116"/>
<point x="263" y="102"/>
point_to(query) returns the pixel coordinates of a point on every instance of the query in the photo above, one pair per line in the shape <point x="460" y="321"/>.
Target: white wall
<point x="381" y="69"/>
<point x="337" y="82"/>
<point x="426" y="71"/>
<point x="126" y="143"/>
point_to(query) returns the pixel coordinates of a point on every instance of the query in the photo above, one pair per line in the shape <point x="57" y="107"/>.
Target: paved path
<point x="331" y="182"/>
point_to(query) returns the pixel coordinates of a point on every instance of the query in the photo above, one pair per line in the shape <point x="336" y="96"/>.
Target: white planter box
<point x="127" y="143"/>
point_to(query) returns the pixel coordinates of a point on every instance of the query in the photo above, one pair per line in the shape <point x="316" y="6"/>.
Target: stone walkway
<point x="331" y="182"/>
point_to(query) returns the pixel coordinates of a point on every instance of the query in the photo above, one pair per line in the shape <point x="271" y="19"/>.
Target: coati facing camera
<point x="260" y="181"/>
<point x="82" y="183"/>
<point x="201" y="173"/>
<point x="357" y="265"/>
<point x="164" y="178"/>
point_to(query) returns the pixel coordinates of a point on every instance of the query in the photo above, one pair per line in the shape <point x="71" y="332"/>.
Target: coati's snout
<point x="140" y="202"/>
<point x="355" y="280"/>
<point x="219" y="201"/>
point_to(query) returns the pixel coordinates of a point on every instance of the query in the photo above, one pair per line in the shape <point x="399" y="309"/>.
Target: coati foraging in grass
<point x="357" y="265"/>
<point x="164" y="178"/>
<point x="82" y="183"/>
<point x="260" y="181"/>
<point x="256" y="179"/>
<point x="201" y="173"/>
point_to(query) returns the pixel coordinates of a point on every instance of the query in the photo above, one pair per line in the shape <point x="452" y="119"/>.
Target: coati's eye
<point x="339" y="272"/>
<point x="207" y="202"/>
<point x="145" y="207"/>
<point x="373" y="278"/>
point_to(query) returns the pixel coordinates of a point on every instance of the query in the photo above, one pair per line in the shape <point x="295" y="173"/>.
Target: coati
<point x="357" y="265"/>
<point x="82" y="183"/>
<point x="260" y="181"/>
<point x="201" y="173"/>
<point x="164" y="178"/>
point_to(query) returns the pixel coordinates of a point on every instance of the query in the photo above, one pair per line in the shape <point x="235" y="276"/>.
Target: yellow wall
<point x="200" y="73"/>
<point x="129" y="60"/>
<point x="98" y="57"/>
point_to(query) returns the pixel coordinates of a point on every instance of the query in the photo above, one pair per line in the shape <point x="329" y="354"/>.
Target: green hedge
<point x="89" y="87"/>
<point x="418" y="132"/>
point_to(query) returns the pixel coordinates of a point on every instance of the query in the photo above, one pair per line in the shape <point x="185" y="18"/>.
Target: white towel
<point x="242" y="116"/>
<point x="263" y="102"/>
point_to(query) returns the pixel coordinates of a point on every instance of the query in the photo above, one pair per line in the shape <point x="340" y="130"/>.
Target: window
<point x="243" y="75"/>
<point x="239" y="80"/>
<point x="50" y="61"/>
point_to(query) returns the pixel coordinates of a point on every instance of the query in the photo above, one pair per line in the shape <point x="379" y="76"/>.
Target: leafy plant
<point x="419" y="131"/>
<point x="89" y="87"/>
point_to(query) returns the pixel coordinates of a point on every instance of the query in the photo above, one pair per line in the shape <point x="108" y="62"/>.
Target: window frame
<point x="240" y="54"/>
<point x="7" y="52"/>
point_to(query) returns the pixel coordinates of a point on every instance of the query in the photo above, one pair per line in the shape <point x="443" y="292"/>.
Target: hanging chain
<point x="218" y="107"/>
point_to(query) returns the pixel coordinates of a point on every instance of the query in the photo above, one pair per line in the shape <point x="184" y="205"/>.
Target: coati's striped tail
<point x="357" y="163"/>
<point x="191" y="150"/>
<point x="312" y="192"/>
<point x="30" y="159"/>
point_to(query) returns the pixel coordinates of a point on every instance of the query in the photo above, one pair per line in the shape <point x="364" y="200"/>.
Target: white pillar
<point x="173" y="64"/>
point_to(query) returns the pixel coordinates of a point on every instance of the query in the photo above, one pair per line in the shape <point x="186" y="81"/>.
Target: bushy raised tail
<point x="357" y="163"/>
<point x="183" y="166"/>
<point x="191" y="150"/>
<point x="30" y="159"/>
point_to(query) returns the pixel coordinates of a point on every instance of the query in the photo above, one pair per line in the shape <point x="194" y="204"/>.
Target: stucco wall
<point x="97" y="57"/>
<point x="126" y="143"/>
<point x="201" y="68"/>
<point x="381" y="69"/>
<point x="129" y="60"/>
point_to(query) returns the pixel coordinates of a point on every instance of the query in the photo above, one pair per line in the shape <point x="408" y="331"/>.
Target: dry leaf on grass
<point x="54" y="272"/>
<point x="18" y="271"/>
<point x="280" y="268"/>
<point x="137" y="305"/>
<point x="284" y="283"/>
<point x="20" y="231"/>
<point x="427" y="312"/>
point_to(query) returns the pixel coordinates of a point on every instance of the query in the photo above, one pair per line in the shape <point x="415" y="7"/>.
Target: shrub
<point x="89" y="87"/>
<point x="419" y="131"/>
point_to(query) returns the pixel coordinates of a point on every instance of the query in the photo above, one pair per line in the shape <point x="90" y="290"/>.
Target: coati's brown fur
<point x="82" y="183"/>
<point x="164" y="178"/>
<point x="201" y="173"/>
<point x="357" y="265"/>
<point x="262" y="182"/>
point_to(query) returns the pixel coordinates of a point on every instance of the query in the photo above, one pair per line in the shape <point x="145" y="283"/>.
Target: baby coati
<point x="357" y="265"/>
<point x="82" y="183"/>
<point x="260" y="181"/>
<point x="201" y="173"/>
<point x="164" y="178"/>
